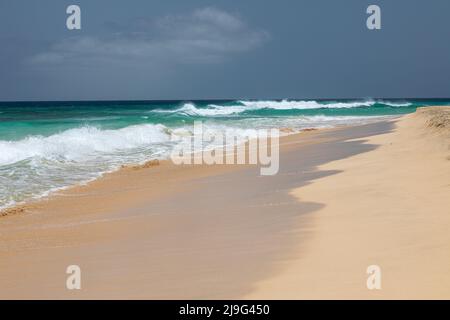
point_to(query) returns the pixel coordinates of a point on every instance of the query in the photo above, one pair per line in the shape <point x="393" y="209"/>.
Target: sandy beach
<point x="344" y="199"/>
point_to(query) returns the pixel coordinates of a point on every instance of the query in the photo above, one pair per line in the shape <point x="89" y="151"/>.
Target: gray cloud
<point x="206" y="35"/>
<point x="316" y="49"/>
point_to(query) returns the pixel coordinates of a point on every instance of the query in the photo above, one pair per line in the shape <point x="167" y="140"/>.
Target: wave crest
<point x="215" y="110"/>
<point x="75" y="144"/>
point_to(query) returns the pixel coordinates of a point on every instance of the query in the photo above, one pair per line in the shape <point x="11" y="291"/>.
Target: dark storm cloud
<point x="205" y="35"/>
<point x="201" y="49"/>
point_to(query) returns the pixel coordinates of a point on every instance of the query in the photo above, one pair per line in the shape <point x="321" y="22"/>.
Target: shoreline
<point x="50" y="194"/>
<point x="20" y="207"/>
<point x="216" y="232"/>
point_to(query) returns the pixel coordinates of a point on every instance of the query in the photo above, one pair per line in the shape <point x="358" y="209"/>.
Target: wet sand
<point x="197" y="232"/>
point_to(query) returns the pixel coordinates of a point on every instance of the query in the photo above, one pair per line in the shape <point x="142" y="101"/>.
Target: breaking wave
<point x="39" y="161"/>
<point x="211" y="110"/>
<point x="76" y="144"/>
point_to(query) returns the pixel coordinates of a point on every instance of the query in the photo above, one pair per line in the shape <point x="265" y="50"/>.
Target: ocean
<point x="47" y="146"/>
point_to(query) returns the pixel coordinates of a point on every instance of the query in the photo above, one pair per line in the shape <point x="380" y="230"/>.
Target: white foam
<point x="36" y="166"/>
<point x="211" y="110"/>
<point x="311" y="104"/>
<point x="302" y="105"/>
<point x="75" y="144"/>
<point x="214" y="110"/>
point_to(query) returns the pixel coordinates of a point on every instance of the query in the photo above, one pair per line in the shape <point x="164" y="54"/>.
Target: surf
<point x="248" y="106"/>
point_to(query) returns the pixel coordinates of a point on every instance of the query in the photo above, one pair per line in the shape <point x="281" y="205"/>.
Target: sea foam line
<point x="77" y="147"/>
<point x="212" y="110"/>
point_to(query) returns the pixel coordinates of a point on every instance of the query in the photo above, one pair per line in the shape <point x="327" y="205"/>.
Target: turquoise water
<point x="45" y="146"/>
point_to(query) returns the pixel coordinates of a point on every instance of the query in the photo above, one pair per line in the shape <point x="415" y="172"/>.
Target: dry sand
<point x="343" y="199"/>
<point x="389" y="207"/>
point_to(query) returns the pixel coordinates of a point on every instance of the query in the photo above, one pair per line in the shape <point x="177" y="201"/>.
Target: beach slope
<point x="343" y="200"/>
<point x="390" y="208"/>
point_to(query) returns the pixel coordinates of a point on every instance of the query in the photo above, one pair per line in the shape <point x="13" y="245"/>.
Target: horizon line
<point x="224" y="99"/>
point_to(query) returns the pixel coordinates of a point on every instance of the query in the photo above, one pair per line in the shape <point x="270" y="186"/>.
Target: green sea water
<point x="45" y="146"/>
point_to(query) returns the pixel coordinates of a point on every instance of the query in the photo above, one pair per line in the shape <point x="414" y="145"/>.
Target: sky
<point x="222" y="49"/>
